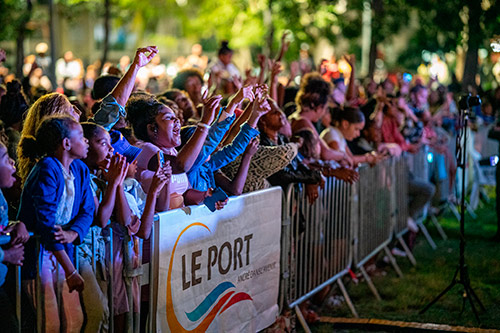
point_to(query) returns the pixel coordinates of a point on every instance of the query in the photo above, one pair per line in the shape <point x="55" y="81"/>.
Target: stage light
<point x="430" y="157"/>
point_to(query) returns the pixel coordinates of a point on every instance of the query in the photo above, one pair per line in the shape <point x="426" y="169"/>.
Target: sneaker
<point x="397" y="252"/>
<point x="412" y="225"/>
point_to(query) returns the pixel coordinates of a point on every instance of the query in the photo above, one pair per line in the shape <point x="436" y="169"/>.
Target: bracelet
<point x="203" y="125"/>
<point x="71" y="275"/>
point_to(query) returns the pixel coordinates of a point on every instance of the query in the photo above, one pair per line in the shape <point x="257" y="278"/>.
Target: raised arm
<point x="113" y="105"/>
<point x="235" y="186"/>
<point x="189" y="153"/>
<point x="351" y="93"/>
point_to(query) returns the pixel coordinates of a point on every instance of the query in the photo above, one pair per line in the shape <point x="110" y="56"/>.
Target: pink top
<point x="179" y="183"/>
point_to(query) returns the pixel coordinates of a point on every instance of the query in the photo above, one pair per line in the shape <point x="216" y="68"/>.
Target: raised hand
<point x="245" y="92"/>
<point x="210" y="107"/>
<point x="285" y="44"/>
<point x="350" y="59"/>
<point x="161" y="177"/>
<point x="117" y="170"/>
<point x="237" y="81"/>
<point x="262" y="60"/>
<point x="144" y="55"/>
<point x="275" y="67"/>
<point x="252" y="147"/>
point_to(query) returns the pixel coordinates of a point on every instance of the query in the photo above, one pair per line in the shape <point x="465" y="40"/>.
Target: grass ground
<point x="403" y="298"/>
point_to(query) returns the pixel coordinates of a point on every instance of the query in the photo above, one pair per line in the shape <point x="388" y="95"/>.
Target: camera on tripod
<point x="471" y="103"/>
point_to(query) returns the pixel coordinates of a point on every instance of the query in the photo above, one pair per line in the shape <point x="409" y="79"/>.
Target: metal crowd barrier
<point x="348" y="225"/>
<point x="316" y="242"/>
<point x="39" y="295"/>
<point x="345" y="227"/>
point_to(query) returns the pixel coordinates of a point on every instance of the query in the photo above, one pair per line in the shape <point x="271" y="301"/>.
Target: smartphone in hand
<point x="217" y="195"/>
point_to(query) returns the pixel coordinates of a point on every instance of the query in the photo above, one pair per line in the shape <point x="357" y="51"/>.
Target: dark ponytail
<point x="224" y="48"/>
<point x="349" y="114"/>
<point x="49" y="136"/>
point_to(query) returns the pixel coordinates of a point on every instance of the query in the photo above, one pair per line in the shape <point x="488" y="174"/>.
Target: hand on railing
<point x="348" y="175"/>
<point x="14" y="255"/>
<point x="312" y="192"/>
<point x="18" y="233"/>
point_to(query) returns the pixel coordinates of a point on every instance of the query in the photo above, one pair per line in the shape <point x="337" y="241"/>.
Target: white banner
<point x="219" y="272"/>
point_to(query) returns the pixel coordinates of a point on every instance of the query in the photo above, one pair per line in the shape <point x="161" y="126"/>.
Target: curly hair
<point x="141" y="111"/>
<point x="313" y="92"/>
<point x="47" y="105"/>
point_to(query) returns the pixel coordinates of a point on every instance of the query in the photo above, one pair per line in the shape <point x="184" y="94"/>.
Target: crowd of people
<point x="106" y="153"/>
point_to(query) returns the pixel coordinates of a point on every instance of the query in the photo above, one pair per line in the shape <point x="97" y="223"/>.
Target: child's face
<point x="79" y="146"/>
<point x="7" y="169"/>
<point x="100" y="150"/>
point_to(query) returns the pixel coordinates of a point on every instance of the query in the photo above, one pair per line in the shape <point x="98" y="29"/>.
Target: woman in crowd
<point x="312" y="104"/>
<point x="347" y="125"/>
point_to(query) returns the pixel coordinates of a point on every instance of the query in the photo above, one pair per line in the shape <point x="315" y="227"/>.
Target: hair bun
<point x="14" y="87"/>
<point x="224" y="44"/>
<point x="28" y="147"/>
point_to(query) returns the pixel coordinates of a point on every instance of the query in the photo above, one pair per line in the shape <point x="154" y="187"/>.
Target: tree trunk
<point x="268" y="22"/>
<point x="473" y="43"/>
<point x="21" y="34"/>
<point x="378" y="16"/>
<point x="53" y="53"/>
<point x="373" y="57"/>
<point x="107" y="15"/>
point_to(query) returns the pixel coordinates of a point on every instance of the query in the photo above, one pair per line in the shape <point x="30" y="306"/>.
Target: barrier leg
<point x="438" y="227"/>
<point x="483" y="195"/>
<point x="454" y="210"/>
<point x="409" y="255"/>
<point x="302" y="319"/>
<point x="470" y="211"/>
<point x="18" y="297"/>
<point x="110" y="285"/>
<point x="393" y="261"/>
<point x="370" y="283"/>
<point x="427" y="235"/>
<point x="347" y="298"/>
<point x="38" y="289"/>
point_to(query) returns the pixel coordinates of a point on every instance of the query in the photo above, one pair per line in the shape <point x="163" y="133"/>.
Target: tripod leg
<point x="473" y="294"/>
<point x="471" y="301"/>
<point x="452" y="284"/>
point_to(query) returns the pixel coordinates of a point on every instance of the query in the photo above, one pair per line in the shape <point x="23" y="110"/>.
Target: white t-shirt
<point x="331" y="134"/>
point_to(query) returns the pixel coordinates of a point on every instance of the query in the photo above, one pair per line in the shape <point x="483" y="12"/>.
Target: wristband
<point x="69" y="276"/>
<point x="202" y="125"/>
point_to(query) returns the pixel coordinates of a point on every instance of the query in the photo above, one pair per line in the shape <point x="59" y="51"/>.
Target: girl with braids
<point x="57" y="204"/>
